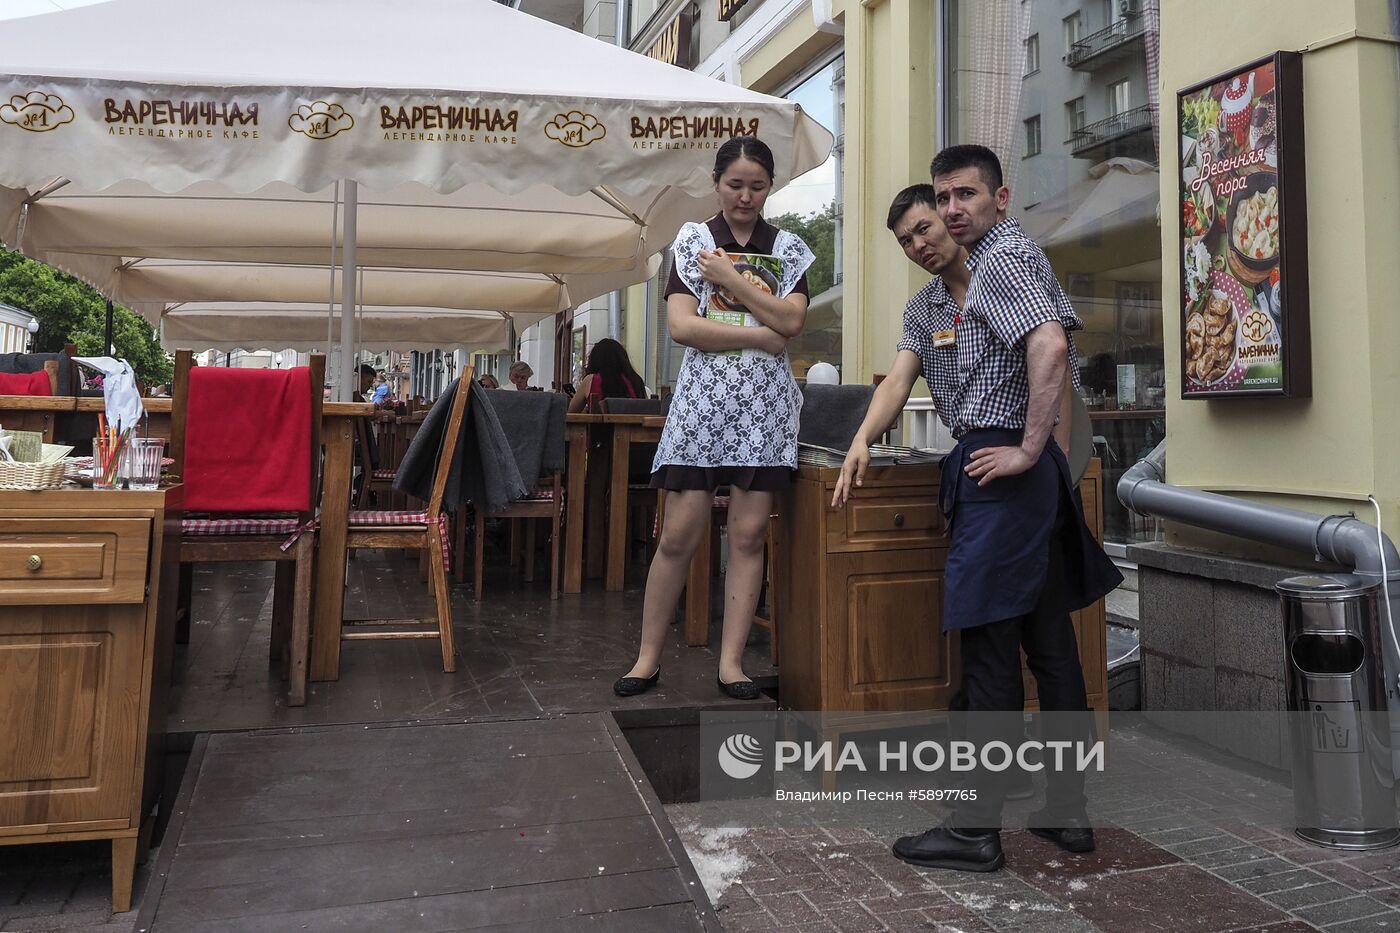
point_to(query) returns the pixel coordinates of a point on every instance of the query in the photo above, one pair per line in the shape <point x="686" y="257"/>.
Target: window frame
<point x="1112" y="96"/>
<point x="1032" y="124"/>
<point x="1076" y="20"/>
<point x="1075" y="107"/>
<point x="1031" y="67"/>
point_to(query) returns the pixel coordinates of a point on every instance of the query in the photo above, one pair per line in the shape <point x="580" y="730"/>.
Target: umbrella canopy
<point x="291" y="326"/>
<point x="151" y="286"/>
<point x="189" y="129"/>
<point x="1119" y="194"/>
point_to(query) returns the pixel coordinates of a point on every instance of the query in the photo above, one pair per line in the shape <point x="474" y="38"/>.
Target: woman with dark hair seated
<point x="608" y="374"/>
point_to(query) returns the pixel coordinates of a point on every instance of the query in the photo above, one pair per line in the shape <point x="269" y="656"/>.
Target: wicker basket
<point x="31" y="475"/>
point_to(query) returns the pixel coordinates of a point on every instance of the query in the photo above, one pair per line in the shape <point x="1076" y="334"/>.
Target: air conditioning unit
<point x="1127" y="7"/>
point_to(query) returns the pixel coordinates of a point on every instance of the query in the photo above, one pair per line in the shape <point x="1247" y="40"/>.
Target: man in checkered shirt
<point x="992" y="343"/>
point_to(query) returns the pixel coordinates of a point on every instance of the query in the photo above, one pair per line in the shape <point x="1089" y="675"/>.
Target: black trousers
<point x="995" y="696"/>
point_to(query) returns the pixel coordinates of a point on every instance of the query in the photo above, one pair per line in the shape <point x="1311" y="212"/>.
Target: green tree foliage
<point x="71" y="312"/>
<point x="818" y="231"/>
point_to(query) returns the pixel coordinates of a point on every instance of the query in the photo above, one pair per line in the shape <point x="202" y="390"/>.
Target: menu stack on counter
<point x="880" y="455"/>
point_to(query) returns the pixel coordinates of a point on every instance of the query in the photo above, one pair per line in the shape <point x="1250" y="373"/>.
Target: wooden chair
<point x="287" y="539"/>
<point x="377" y="481"/>
<point x="419" y="531"/>
<point x="30" y="385"/>
<point x="545" y="502"/>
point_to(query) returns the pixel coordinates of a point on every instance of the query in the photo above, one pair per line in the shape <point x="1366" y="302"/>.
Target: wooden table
<point x="88" y="590"/>
<point x="626" y="431"/>
<point x="598" y="447"/>
<point x="34" y="413"/>
<point x="586" y="471"/>
<point x="328" y="602"/>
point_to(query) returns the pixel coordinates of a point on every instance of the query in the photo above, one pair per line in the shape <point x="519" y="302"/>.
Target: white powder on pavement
<point x="712" y="852"/>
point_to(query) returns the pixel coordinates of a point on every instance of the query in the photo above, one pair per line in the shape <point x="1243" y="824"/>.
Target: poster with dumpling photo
<point x="1244" y="287"/>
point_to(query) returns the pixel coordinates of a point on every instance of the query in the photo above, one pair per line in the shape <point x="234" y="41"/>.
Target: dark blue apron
<point x="1002" y="534"/>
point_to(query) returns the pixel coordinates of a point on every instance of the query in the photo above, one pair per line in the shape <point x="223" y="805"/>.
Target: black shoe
<point x="631" y="686"/>
<point x="1075" y="835"/>
<point x="946" y="847"/>
<point x="739" y="690"/>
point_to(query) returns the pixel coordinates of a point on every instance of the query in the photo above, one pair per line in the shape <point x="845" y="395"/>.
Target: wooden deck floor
<point x="521" y="654"/>
<point x="501" y="796"/>
<point x="513" y="825"/>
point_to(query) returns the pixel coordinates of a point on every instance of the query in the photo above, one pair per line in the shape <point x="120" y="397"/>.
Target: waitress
<point x="733" y="415"/>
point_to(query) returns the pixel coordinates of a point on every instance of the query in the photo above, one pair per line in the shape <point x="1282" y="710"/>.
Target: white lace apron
<point x="732" y="410"/>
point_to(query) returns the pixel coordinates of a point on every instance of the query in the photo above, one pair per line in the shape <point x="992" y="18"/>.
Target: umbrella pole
<point x="348" y="375"/>
<point x="107" y="333"/>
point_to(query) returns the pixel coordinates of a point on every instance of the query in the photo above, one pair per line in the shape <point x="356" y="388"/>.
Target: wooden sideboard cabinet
<point x="87" y="594"/>
<point x="861" y="596"/>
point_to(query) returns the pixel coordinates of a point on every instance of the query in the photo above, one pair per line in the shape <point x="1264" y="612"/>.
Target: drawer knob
<point x="899" y="519"/>
<point x="34" y="562"/>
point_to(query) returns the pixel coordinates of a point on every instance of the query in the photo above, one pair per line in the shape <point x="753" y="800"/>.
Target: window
<point x="1112" y="11"/>
<point x="811" y="208"/>
<point x="1032" y="54"/>
<point x="1118" y="95"/>
<point x="1074" y="117"/>
<point x="640" y="12"/>
<point x="1072" y="24"/>
<point x="1109" y="255"/>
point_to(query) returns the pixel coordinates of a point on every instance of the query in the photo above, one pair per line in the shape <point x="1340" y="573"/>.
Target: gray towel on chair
<point x="533" y="423"/>
<point x="483" y="468"/>
<point x="831" y="415"/>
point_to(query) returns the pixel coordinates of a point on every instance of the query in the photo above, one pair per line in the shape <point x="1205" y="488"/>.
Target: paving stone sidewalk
<point x="1207" y="854"/>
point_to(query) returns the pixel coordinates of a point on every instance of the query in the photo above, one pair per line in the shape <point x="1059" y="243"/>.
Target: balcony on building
<point x="1126" y="134"/>
<point x="1112" y="44"/>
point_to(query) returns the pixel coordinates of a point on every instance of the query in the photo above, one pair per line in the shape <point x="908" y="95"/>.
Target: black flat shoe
<point x="1076" y="835"/>
<point x="631" y="686"/>
<point x="946" y="847"/>
<point x="739" y="690"/>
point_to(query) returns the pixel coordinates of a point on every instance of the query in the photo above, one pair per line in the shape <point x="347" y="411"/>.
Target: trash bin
<point x="1343" y="772"/>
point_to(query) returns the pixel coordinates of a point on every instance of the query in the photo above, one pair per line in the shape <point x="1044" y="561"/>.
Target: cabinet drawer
<point x="911" y="519"/>
<point x="69" y="560"/>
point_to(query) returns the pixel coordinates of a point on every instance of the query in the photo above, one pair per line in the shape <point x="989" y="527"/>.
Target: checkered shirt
<point x="981" y="381"/>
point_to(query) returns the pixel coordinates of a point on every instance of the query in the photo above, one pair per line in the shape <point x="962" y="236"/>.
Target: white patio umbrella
<point x="291" y="326"/>
<point x="139" y="128"/>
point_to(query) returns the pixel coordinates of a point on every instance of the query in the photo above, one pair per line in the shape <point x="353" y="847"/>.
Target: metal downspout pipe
<point x="1341" y="539"/>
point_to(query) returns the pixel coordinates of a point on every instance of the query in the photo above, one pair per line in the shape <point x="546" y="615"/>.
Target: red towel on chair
<point x="248" y="440"/>
<point x="25" y="383"/>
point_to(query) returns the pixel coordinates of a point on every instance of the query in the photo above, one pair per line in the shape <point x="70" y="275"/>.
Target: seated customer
<point x="608" y="374"/>
<point x="519" y="375"/>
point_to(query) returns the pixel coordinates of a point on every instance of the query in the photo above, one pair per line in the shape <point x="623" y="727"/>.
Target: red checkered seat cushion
<point x="385" y="473"/>
<point x="541" y="492"/>
<point x="721" y="502"/>
<point x="387" y="518"/>
<point x="381" y="518"/>
<point x="238" y="526"/>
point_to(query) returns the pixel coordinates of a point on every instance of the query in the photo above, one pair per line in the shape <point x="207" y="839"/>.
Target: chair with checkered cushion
<point x="533" y="423"/>
<point x="246" y="444"/>
<point x="419" y="530"/>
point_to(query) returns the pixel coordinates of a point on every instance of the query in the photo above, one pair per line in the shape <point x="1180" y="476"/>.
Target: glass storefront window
<point x="1089" y="197"/>
<point x="810" y="206"/>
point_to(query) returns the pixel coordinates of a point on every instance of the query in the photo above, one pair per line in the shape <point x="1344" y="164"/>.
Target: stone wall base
<point x="1212" y="640"/>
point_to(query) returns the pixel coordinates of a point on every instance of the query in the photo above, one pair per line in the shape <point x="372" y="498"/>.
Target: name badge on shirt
<point x="944" y="338"/>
